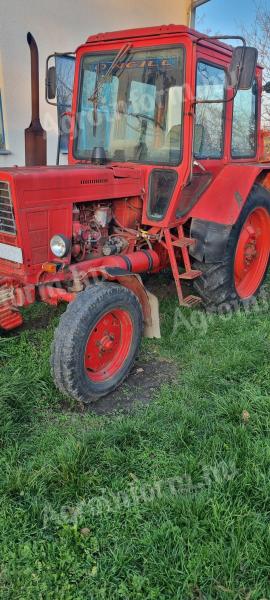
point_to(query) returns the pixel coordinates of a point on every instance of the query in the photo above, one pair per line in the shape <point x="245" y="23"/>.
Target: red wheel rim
<point x="108" y="345"/>
<point x="252" y="253"/>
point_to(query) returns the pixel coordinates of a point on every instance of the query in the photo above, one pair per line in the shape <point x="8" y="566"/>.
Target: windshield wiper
<point x="121" y="55"/>
<point x="147" y="117"/>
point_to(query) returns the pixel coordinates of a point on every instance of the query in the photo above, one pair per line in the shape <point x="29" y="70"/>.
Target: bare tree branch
<point x="258" y="35"/>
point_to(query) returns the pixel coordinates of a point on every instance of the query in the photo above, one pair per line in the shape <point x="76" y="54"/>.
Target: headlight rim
<point x="67" y="244"/>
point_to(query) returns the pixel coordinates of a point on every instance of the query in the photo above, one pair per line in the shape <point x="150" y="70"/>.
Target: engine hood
<point x="36" y="186"/>
<point x="42" y="200"/>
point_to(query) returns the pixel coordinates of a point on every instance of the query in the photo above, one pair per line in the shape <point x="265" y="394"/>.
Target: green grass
<point x="206" y="539"/>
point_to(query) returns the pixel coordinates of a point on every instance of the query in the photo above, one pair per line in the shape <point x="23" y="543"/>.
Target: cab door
<point x="211" y="123"/>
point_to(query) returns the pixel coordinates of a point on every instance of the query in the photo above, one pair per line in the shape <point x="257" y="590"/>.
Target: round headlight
<point x="60" y="246"/>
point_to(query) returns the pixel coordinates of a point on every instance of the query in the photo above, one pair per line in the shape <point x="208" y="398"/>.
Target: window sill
<point x="5" y="152"/>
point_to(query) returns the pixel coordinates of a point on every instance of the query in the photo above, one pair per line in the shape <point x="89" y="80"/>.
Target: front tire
<point x="242" y="271"/>
<point x="96" y="342"/>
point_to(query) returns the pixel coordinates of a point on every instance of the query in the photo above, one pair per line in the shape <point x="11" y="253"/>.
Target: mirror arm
<point x="221" y="37"/>
<point x="225" y="101"/>
<point x="235" y="89"/>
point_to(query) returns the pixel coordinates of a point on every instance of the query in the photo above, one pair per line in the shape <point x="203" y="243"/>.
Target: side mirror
<point x="266" y="87"/>
<point x="51" y="83"/>
<point x="242" y="68"/>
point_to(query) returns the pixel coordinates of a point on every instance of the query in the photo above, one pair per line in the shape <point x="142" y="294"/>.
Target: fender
<point x="219" y="208"/>
<point x="224" y="199"/>
<point x="149" y="302"/>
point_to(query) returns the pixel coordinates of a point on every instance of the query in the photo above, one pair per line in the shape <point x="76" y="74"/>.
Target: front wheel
<point x="97" y="342"/>
<point x="241" y="273"/>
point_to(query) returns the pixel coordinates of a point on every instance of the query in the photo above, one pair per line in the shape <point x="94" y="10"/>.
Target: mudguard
<point x="211" y="240"/>
<point x="224" y="199"/>
<point x="219" y="208"/>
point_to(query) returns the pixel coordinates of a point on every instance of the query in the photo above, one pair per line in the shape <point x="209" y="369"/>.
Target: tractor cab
<point x="162" y="99"/>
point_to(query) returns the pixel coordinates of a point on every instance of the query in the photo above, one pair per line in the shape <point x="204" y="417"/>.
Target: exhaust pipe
<point x="35" y="136"/>
<point x="142" y="261"/>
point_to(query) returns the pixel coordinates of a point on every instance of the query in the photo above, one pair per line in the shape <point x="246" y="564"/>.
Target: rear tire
<point x="241" y="273"/>
<point x="97" y="342"/>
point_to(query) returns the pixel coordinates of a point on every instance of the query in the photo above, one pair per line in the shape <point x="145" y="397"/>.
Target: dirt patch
<point x="35" y="322"/>
<point x="142" y="385"/>
<point x="41" y="321"/>
<point x="163" y="286"/>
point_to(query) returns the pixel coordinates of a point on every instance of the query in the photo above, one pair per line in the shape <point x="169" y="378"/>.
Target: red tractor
<point x="166" y="170"/>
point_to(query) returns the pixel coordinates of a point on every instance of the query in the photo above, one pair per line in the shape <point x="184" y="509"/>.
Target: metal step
<point x="183" y="243"/>
<point x="190" y="301"/>
<point x="190" y="274"/>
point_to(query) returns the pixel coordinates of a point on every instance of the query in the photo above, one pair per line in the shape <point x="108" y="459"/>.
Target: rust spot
<point x="238" y="198"/>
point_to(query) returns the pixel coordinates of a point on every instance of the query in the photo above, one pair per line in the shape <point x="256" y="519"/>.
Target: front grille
<point x="7" y="221"/>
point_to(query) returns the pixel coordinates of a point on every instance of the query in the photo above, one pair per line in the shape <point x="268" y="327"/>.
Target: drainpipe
<point x="195" y="5"/>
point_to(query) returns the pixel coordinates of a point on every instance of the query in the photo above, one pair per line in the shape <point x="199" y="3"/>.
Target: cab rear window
<point x="244" y="129"/>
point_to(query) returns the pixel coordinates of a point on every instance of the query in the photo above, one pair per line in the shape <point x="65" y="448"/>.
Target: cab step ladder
<point x="182" y="242"/>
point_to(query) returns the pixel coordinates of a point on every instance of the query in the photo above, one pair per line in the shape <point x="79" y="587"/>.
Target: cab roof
<point x="141" y="32"/>
<point x="155" y="32"/>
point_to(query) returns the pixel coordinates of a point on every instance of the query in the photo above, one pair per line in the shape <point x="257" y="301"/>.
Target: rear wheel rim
<point x="108" y="345"/>
<point x="252" y="253"/>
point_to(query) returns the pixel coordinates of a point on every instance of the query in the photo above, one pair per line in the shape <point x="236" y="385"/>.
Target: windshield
<point x="134" y="113"/>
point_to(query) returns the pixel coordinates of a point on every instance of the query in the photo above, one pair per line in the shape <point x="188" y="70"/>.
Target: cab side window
<point x="244" y="130"/>
<point x="209" y="123"/>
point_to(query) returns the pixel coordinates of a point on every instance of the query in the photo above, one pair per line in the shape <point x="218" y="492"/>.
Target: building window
<point x="244" y="130"/>
<point x="2" y="131"/>
<point x="65" y="67"/>
<point x="209" y="126"/>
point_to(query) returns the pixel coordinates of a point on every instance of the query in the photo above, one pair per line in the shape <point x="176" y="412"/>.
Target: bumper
<point x="10" y="318"/>
<point x="13" y="295"/>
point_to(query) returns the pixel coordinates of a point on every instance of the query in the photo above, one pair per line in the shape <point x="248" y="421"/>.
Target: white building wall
<point x="58" y="25"/>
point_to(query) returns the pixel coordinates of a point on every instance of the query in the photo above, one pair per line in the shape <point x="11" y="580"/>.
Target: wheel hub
<point x="108" y="345"/>
<point x="250" y="252"/>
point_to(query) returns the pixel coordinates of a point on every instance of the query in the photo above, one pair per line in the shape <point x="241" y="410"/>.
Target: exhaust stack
<point x="35" y="136"/>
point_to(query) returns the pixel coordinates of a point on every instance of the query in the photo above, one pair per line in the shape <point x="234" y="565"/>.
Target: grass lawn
<point x="170" y="501"/>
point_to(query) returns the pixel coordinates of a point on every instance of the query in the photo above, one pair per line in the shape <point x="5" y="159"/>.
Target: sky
<point x="225" y="16"/>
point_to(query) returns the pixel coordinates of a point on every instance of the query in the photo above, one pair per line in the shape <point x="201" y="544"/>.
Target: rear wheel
<point x="97" y="341"/>
<point x="252" y="253"/>
<point x="241" y="273"/>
